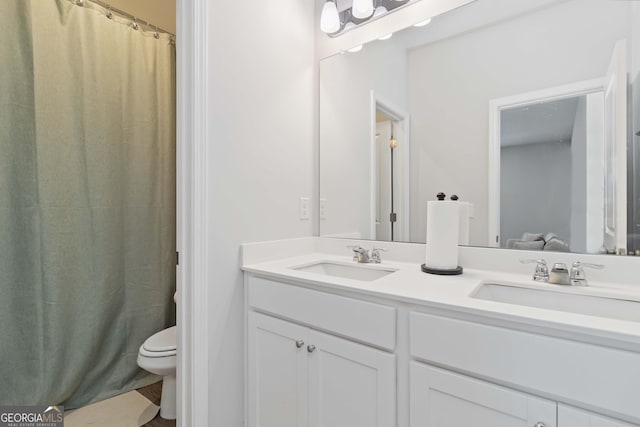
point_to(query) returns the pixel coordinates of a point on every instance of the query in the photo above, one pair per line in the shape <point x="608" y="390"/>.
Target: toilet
<point x="158" y="356"/>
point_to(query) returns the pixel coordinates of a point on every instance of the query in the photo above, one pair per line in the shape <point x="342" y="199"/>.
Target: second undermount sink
<point x="572" y="302"/>
<point x="364" y="272"/>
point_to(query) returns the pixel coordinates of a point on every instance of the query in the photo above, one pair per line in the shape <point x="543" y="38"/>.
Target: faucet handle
<point x="357" y="249"/>
<point x="533" y="261"/>
<point x="375" y="254"/>
<point x="360" y="254"/>
<point x="577" y="276"/>
<point x="579" y="264"/>
<point x="542" y="271"/>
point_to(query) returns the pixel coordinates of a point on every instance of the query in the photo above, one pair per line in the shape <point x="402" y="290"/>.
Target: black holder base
<point x="453" y="272"/>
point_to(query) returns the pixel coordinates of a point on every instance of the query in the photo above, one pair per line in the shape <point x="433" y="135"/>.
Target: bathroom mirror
<point x="526" y="110"/>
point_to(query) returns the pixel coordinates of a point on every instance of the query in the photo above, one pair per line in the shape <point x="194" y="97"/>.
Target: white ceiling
<point x="538" y="123"/>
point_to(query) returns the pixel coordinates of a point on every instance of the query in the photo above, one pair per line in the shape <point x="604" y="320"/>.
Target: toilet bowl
<point x="158" y="356"/>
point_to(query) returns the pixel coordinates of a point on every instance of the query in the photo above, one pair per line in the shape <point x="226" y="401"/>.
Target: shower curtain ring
<point x="80" y="2"/>
<point x="156" y="35"/>
<point x="109" y="14"/>
<point x="135" y="25"/>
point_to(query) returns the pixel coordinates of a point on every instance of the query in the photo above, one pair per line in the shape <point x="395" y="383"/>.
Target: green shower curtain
<point x="87" y="201"/>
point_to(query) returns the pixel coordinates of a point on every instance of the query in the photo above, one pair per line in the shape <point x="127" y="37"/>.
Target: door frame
<point x="381" y="103"/>
<point x="496" y="106"/>
<point x="191" y="214"/>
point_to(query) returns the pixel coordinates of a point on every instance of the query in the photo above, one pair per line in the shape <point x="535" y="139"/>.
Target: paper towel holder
<point x="440" y="272"/>
<point x="452" y="272"/>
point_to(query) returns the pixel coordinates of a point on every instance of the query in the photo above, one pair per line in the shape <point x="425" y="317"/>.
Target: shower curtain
<point x="87" y="201"/>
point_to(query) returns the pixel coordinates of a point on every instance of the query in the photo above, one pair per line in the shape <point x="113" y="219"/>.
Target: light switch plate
<point x="304" y="207"/>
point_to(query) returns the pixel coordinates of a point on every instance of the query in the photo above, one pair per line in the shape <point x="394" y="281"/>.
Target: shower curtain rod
<point x="126" y="15"/>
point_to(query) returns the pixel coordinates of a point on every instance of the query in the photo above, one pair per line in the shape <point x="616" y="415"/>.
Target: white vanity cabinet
<point x="325" y="357"/>
<point x="350" y="384"/>
<point x="299" y="376"/>
<point x="573" y="417"/>
<point x="441" y="398"/>
<point x="598" y="377"/>
<point x="277" y="373"/>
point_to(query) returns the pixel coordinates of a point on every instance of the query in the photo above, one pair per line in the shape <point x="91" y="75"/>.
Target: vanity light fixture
<point x="349" y="26"/>
<point x="330" y="19"/>
<point x="380" y="10"/>
<point x="338" y="18"/>
<point x="423" y="23"/>
<point x="362" y="8"/>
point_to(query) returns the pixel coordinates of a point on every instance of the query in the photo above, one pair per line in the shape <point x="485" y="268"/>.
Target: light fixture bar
<point x="360" y="12"/>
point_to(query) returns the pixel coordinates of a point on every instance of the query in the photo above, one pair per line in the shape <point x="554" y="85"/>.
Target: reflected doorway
<point x="390" y="167"/>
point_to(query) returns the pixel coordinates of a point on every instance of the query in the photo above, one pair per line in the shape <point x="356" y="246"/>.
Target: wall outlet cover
<point x="304" y="207"/>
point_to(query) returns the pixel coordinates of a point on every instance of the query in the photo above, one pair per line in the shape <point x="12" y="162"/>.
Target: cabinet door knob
<point x="311" y="348"/>
<point x="539" y="424"/>
<point x="299" y="343"/>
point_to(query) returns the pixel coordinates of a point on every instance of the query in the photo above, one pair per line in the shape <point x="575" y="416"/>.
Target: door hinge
<point x="393" y="217"/>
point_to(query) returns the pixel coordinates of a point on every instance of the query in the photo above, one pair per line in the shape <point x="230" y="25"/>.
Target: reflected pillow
<point x="527" y="246"/>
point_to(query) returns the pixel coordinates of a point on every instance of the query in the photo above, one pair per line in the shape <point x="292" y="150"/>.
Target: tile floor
<point x="153" y="393"/>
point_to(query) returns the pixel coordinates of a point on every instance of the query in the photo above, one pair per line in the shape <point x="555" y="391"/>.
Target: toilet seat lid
<point x="163" y="341"/>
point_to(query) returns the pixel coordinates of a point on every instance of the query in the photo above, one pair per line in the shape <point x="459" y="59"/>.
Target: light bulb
<point x="348" y="26"/>
<point x="329" y="20"/>
<point x="355" y="49"/>
<point x="423" y="23"/>
<point x="387" y="37"/>
<point x="362" y="8"/>
<point x="380" y="10"/>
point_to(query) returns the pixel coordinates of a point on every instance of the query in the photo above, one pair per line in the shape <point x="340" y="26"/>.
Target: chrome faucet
<point x="559" y="274"/>
<point x="577" y="276"/>
<point x="542" y="271"/>
<point x="362" y="255"/>
<point x="375" y="255"/>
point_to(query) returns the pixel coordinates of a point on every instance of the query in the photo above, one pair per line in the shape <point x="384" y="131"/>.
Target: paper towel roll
<point x="442" y="234"/>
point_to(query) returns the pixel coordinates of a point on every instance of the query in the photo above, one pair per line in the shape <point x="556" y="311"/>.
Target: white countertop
<point x="452" y="293"/>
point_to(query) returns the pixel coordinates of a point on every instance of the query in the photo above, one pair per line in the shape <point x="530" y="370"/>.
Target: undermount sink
<point x="572" y="302"/>
<point x="364" y="272"/>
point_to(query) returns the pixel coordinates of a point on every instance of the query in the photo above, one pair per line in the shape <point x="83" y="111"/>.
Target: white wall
<point x="261" y="106"/>
<point x="460" y="75"/>
<point x="535" y="189"/>
<point x="634" y="141"/>
<point x="345" y="130"/>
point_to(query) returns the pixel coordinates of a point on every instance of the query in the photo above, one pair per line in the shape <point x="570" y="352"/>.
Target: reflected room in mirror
<point x="526" y="110"/>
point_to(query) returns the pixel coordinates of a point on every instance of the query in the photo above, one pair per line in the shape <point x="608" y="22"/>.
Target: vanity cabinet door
<point x="573" y="417"/>
<point x="277" y="373"/>
<point x="350" y="385"/>
<point x="442" y="398"/>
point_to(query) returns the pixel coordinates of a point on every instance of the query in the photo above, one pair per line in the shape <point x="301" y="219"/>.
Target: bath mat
<point x="126" y="410"/>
